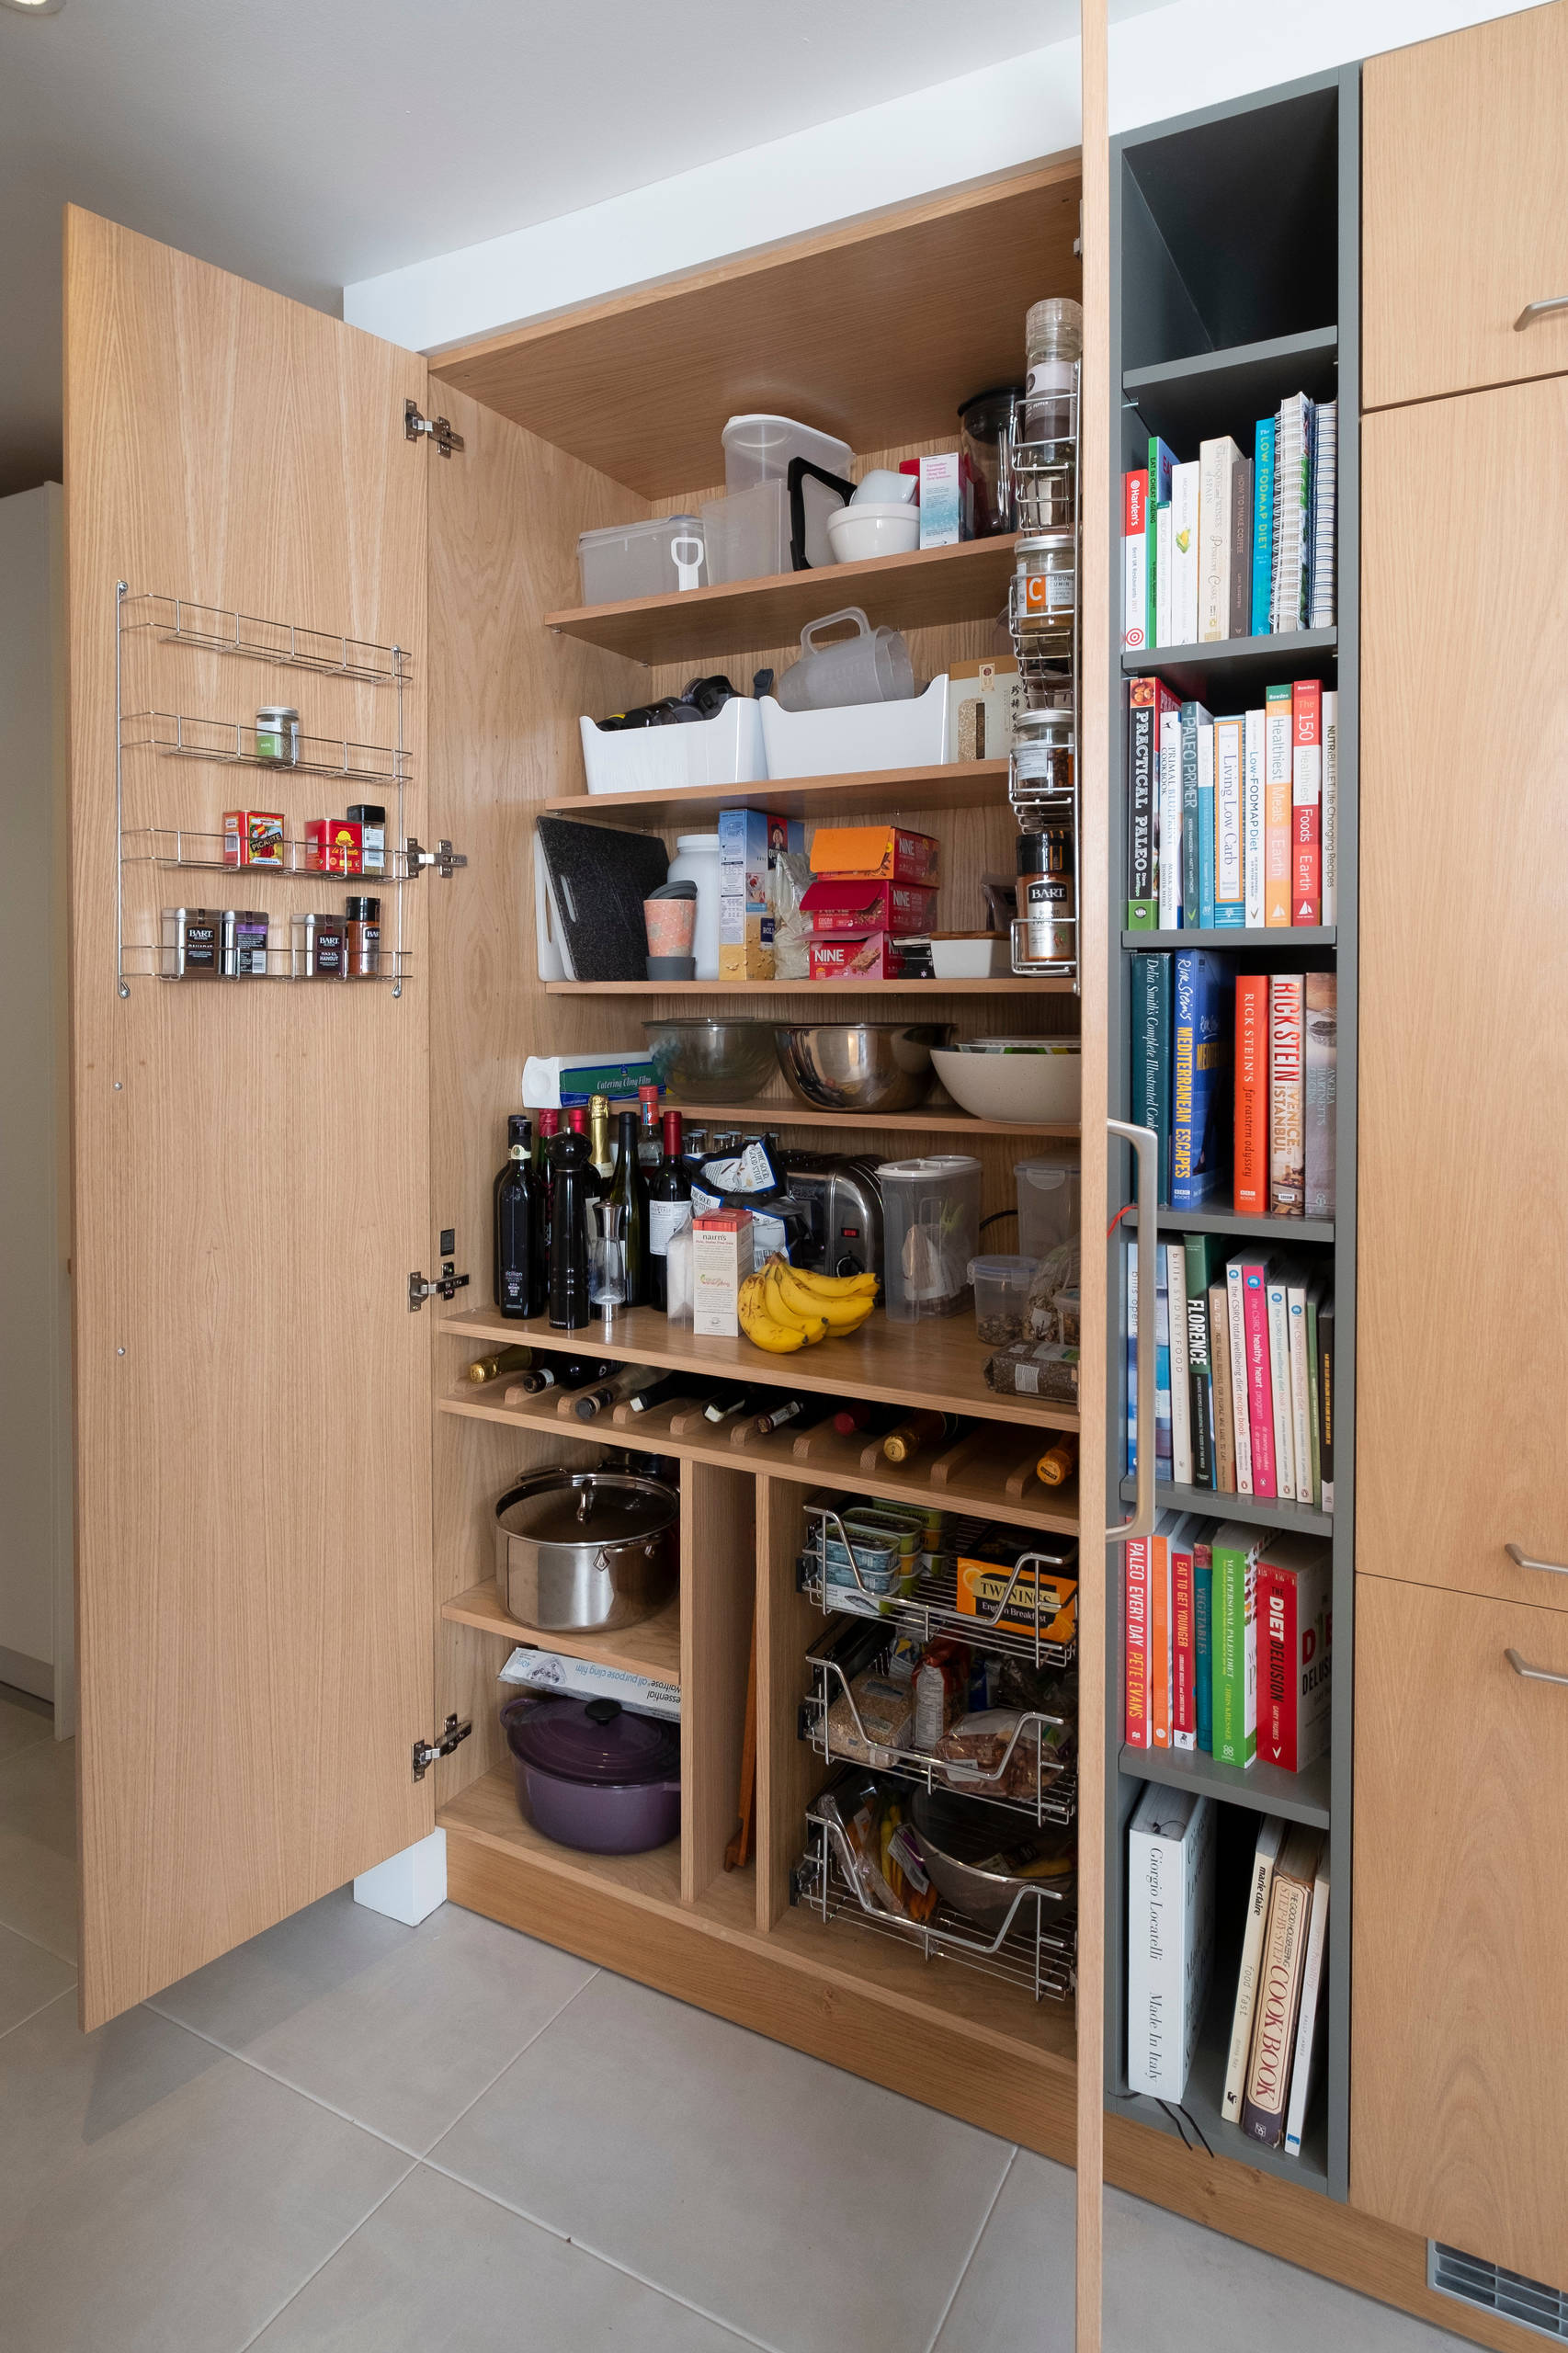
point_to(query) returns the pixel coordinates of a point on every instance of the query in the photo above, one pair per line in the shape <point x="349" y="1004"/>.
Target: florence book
<point x="1281" y="1970"/>
<point x="1270" y="1838"/>
<point x="1204" y="1259"/>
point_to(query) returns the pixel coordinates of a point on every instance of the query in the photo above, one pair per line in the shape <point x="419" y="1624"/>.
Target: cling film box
<point x="1045" y="1595"/>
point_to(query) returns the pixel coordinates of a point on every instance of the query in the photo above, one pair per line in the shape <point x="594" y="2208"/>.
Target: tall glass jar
<point x="1053" y="342"/>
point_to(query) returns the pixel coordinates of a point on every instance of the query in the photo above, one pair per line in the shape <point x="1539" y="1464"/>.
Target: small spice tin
<point x="333" y="846"/>
<point x="277" y="734"/>
<point x="244" y="943"/>
<point x="372" y="820"/>
<point x="193" y="943"/>
<point x="363" y="941"/>
<point x="316" y="945"/>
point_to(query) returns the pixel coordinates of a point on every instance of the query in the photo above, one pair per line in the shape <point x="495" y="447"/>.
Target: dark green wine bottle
<point x="625" y="1191"/>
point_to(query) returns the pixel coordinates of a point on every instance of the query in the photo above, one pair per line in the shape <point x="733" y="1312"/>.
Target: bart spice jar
<point x="1047" y="928"/>
<point x="193" y="943"/>
<point x="362" y="939"/>
<point x="316" y="948"/>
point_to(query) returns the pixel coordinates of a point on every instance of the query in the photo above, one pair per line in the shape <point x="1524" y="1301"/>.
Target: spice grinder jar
<point x="362" y="938"/>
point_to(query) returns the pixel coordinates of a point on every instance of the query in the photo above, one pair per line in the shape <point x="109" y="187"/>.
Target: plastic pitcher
<point x="872" y="667"/>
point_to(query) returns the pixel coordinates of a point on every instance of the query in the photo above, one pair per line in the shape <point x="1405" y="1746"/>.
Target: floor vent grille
<point x="1508" y="2293"/>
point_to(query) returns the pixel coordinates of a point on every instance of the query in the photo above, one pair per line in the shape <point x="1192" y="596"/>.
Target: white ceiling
<point x="307" y="144"/>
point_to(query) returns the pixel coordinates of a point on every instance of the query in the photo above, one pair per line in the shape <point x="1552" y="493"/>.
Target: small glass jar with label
<point x="1045" y="587"/>
<point x="278" y="735"/>
<point x="362" y="939"/>
<point x="1042" y="751"/>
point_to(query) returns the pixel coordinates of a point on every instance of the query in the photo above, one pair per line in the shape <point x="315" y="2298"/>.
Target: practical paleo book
<point x="1146" y="699"/>
<point x="1200" y="1059"/>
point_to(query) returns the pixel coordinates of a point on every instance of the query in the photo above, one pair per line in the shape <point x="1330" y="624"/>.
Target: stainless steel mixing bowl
<point x="860" y="1065"/>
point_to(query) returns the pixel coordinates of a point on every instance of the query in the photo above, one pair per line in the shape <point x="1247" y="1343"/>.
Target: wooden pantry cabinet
<point x="1465" y="228"/>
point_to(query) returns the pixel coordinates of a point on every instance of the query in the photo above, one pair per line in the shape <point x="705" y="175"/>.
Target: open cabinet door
<point x="250" y="1174"/>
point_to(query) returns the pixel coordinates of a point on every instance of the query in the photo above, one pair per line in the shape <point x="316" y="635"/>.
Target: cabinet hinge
<point x="444" y="1285"/>
<point x="430" y="1752"/>
<point x="443" y="857"/>
<point x="440" y="432"/>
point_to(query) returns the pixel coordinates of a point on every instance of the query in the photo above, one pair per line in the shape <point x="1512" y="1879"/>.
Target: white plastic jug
<point x="872" y="667"/>
<point x="697" y="860"/>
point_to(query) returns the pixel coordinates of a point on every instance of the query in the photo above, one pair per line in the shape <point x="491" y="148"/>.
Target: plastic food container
<point x="635" y="559"/>
<point x="872" y="667"/>
<point x="758" y="448"/>
<point x="1048" y="1205"/>
<point x="746" y="533"/>
<point x="1001" y="1299"/>
<point x="726" y="749"/>
<point x="930" y="1234"/>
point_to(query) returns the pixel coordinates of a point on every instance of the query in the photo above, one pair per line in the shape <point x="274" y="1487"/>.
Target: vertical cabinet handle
<point x="1146" y="1147"/>
<point x="1533" y="311"/>
<point x="1521" y="1559"/>
<point x="1532" y="1674"/>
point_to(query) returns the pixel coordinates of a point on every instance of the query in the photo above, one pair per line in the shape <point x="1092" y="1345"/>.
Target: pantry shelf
<point x="175" y="620"/>
<point x="1257" y="1511"/>
<point x="930" y="588"/>
<point x="1269" y="1789"/>
<point x="651" y="1649"/>
<point x="234" y="745"/>
<point x="1218" y="392"/>
<point x="936" y="1362"/>
<point x="998" y="985"/>
<point x="1275" y="938"/>
<point x="958" y="784"/>
<point x="1225" y="1220"/>
<point x="766" y="1111"/>
<point x="998" y="1477"/>
<point x="1232" y="664"/>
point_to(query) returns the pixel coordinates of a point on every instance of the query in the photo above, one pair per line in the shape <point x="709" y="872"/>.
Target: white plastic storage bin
<point x="910" y="734"/>
<point x="726" y="749"/>
<point x="758" y="448"/>
<point x="635" y="559"/>
<point x="930" y="1234"/>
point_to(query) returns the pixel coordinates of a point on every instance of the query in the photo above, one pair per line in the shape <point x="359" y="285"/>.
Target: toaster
<point x="844" y="1201"/>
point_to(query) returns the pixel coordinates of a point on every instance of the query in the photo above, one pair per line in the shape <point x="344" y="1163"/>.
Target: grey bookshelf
<point x="1235" y="281"/>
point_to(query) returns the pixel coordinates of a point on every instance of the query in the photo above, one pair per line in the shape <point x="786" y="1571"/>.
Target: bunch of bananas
<point x="783" y="1308"/>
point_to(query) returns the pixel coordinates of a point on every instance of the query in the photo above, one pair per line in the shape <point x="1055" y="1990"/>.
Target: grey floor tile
<point x="155" y="2194"/>
<point x="398" y="2027"/>
<point x="813" y="2210"/>
<point x="1168" y="2281"/>
<point x="29" y="1978"/>
<point x="439" y="2266"/>
<point x="38" y="1844"/>
<point x="24" y="1721"/>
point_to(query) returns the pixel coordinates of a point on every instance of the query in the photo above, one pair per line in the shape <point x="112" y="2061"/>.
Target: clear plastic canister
<point x="1048" y="1205"/>
<point x="930" y="1233"/>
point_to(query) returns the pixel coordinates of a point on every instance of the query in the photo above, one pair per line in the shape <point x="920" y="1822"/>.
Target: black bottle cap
<point x="365" y="813"/>
<point x="364" y="910"/>
<point x="1033" y="857"/>
<point x="519" y="1127"/>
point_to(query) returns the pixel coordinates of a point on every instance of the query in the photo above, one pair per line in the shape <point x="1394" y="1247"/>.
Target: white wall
<point x="1164" y="61"/>
<point x="35" y="1235"/>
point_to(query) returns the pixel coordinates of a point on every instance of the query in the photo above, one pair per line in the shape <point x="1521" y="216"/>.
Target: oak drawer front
<point x="1461" y="1386"/>
<point x="1459" y="2054"/>
<point x="1465" y="209"/>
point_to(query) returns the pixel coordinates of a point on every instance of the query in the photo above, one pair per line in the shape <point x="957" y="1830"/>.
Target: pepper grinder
<point x="574" y="1185"/>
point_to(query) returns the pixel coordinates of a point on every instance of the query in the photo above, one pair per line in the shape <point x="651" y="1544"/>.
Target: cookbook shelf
<point x="1266" y="1789"/>
<point x="1231" y="666"/>
<point x="936" y="1363"/>
<point x="1259" y="1511"/>
<point x="955" y="784"/>
<point x="1281" y="938"/>
<point x="999" y="984"/>
<point x="1225" y="1220"/>
<point x="929" y="588"/>
<point x="1226" y="392"/>
<point x="1200" y="2109"/>
<point x="996" y="1476"/>
<point x="651" y="1649"/>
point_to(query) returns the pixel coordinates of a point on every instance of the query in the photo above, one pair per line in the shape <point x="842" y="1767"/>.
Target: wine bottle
<point x="725" y="1405"/>
<point x="622" y="1383"/>
<point x="664" y="1389"/>
<point x="649" y="1151"/>
<point x="573" y="1183"/>
<point x="1058" y="1463"/>
<point x="517" y="1215"/>
<point x="776" y="1417"/>
<point x="565" y="1373"/>
<point x="498" y="1361"/>
<point x="547" y="1128"/>
<point x="599" y="1150"/>
<point x="625" y="1192"/>
<point x="669" y="1205"/>
<point x="916" y="1433"/>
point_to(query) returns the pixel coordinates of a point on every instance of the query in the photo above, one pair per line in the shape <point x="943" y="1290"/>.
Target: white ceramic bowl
<point x="976" y="958"/>
<point x="882" y="486"/>
<point x="857" y="533"/>
<point x="1025" y="1087"/>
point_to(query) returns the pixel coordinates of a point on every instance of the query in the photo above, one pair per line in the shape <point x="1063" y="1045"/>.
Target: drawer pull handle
<point x="1521" y="1559"/>
<point x="1532" y="1674"/>
<point x="1533" y="311"/>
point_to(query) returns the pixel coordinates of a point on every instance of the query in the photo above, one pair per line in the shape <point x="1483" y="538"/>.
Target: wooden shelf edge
<point x="952" y="784"/>
<point x="999" y="984"/>
<point x="968" y="556"/>
<point x="944" y="1118"/>
<point x="650" y="1650"/>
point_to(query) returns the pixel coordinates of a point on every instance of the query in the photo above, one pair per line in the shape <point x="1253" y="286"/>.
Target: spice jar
<point x="244" y="942"/>
<point x="1043" y="750"/>
<point x="362" y="943"/>
<point x="372" y="820"/>
<point x="277" y="734"/>
<point x="316" y="946"/>
<point x="1045" y="586"/>
<point x="1047" y="908"/>
<point x="1053" y="340"/>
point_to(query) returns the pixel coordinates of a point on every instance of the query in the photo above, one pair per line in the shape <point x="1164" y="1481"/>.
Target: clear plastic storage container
<point x="758" y="448"/>
<point x="635" y="559"/>
<point x="1048" y="1205"/>
<point x="1001" y="1299"/>
<point x="930" y="1234"/>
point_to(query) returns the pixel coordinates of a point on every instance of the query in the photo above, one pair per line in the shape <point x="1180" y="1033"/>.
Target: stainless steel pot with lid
<point x="580" y="1552"/>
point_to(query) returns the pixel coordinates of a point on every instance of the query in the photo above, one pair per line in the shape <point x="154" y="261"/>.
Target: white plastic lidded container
<point x="930" y="1234"/>
<point x="635" y="559"/>
<point x="758" y="448"/>
<point x="697" y="860"/>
